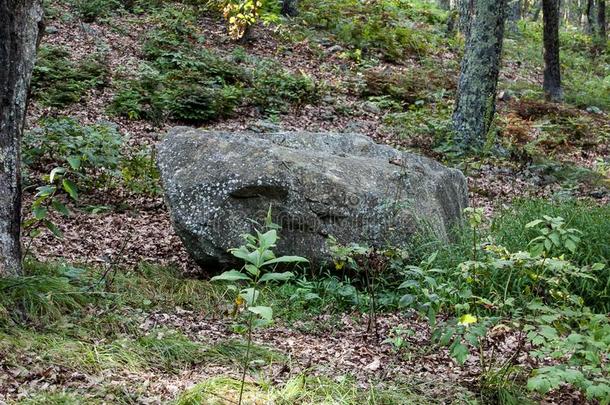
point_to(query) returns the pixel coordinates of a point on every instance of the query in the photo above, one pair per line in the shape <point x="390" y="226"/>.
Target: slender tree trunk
<point x="476" y="100"/>
<point x="590" y="17"/>
<point x="601" y="23"/>
<point x="536" y="12"/>
<point x="290" y="8"/>
<point x="20" y="29"/>
<point x="552" y="67"/>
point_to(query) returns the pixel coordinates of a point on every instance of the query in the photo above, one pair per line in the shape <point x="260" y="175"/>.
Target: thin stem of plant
<point x="247" y="358"/>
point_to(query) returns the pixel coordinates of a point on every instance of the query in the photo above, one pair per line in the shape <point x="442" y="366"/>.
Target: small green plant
<point x="90" y="156"/>
<point x="385" y="28"/>
<point x="554" y="237"/>
<point x="48" y="198"/>
<point x="579" y="342"/>
<point x="92" y="152"/>
<point x="57" y="81"/>
<point x="259" y="267"/>
<point x="91" y="10"/>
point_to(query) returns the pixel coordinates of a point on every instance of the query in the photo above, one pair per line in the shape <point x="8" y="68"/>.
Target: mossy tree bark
<point x="552" y="68"/>
<point x="476" y="99"/>
<point x="465" y="10"/>
<point x="20" y="28"/>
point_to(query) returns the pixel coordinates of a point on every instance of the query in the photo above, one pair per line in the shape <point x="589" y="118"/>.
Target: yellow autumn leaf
<point x="466" y="320"/>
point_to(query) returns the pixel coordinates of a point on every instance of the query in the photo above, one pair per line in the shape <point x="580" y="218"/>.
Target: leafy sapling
<point x="47" y="199"/>
<point x="260" y="264"/>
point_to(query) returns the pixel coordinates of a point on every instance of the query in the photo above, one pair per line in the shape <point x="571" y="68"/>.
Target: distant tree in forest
<point x="290" y="8"/>
<point x="601" y="23"/>
<point x="476" y="99"/>
<point x="552" y="66"/>
<point x="20" y="29"/>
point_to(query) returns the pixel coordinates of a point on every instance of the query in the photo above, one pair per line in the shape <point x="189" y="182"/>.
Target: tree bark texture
<point x="290" y="8"/>
<point x="476" y="99"/>
<point x="466" y="10"/>
<point x="20" y="28"/>
<point x="601" y="22"/>
<point x="552" y="68"/>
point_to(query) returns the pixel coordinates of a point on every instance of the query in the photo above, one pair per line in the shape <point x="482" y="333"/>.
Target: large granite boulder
<point x="318" y="184"/>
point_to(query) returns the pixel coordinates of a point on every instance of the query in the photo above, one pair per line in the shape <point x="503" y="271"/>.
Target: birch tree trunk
<point x="20" y="29"/>
<point x="476" y="99"/>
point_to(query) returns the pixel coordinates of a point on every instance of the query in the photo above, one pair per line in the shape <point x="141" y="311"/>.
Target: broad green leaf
<point x="534" y="223"/>
<point x="45" y="191"/>
<point x="277" y="276"/>
<point x="286" y="259"/>
<point x="55" y="172"/>
<point x="268" y="238"/>
<point x="231" y="275"/>
<point x="459" y="352"/>
<point x="53" y="228"/>
<point x="555" y="239"/>
<point x="60" y="207"/>
<point x="409" y="284"/>
<point x="571" y="246"/>
<point x="252" y="269"/>
<point x="263" y="312"/>
<point x="70" y="188"/>
<point x="40" y="212"/>
<point x="74" y="162"/>
<point x="250" y="295"/>
<point x="406" y="300"/>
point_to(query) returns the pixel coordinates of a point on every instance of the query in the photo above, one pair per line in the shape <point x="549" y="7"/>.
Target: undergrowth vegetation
<point x="391" y="30"/>
<point x="183" y="82"/>
<point x="58" y="81"/>
<point x="527" y="275"/>
<point x="519" y="301"/>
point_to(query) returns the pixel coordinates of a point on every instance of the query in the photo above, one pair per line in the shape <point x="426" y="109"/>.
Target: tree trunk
<point x="601" y="23"/>
<point x="444" y="4"/>
<point x="476" y="99"/>
<point x="515" y="10"/>
<point x="466" y="9"/>
<point x="290" y="8"/>
<point x="514" y="15"/>
<point x="20" y="29"/>
<point x="552" y="69"/>
<point x="590" y="17"/>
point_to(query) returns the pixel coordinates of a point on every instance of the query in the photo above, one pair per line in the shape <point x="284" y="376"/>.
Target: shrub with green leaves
<point x="92" y="152"/>
<point x="186" y="84"/>
<point x="86" y="157"/>
<point x="91" y="10"/>
<point x="58" y="81"/>
<point x="273" y="89"/>
<point x="393" y="29"/>
<point x="578" y="341"/>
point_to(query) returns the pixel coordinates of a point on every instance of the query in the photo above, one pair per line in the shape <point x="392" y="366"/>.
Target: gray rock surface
<point x="318" y="184"/>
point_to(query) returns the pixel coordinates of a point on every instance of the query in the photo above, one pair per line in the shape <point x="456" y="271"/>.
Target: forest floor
<point x="337" y="353"/>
